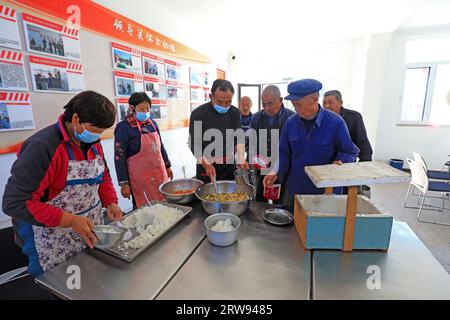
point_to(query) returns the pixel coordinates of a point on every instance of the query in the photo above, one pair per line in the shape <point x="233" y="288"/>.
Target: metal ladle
<point x="213" y="179"/>
<point x="128" y="235"/>
<point x="145" y="195"/>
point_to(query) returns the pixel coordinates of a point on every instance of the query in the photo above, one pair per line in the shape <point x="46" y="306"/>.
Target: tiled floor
<point x="435" y="237"/>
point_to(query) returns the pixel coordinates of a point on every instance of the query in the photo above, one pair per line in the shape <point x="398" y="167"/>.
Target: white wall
<point x="395" y="141"/>
<point x="338" y="65"/>
<point x="375" y="52"/>
<point x="369" y="73"/>
<point x="6" y="162"/>
<point x="175" y="142"/>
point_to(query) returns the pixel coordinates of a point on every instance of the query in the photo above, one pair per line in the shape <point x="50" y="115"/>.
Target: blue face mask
<point x="221" y="109"/>
<point x="142" y="116"/>
<point x="86" y="136"/>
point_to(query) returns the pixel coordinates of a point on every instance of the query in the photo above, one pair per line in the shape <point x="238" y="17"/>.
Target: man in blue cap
<point x="314" y="137"/>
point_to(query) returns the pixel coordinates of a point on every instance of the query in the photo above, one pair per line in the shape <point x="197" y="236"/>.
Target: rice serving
<point x="223" y="226"/>
<point x="150" y="222"/>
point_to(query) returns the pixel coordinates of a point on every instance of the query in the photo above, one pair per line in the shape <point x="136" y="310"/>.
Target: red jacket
<point x="40" y="173"/>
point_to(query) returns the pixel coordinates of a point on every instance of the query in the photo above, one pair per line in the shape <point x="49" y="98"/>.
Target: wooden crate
<point x="320" y="222"/>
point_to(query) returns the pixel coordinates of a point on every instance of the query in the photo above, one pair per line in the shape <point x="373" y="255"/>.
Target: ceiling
<point x="215" y="27"/>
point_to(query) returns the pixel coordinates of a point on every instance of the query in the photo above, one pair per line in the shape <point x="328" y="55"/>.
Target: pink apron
<point x="47" y="247"/>
<point x="146" y="169"/>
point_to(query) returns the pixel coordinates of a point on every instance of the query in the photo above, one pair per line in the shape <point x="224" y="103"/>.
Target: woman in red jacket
<point x="60" y="183"/>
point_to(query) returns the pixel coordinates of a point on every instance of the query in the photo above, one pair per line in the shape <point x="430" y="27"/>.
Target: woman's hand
<point x="169" y="173"/>
<point x="114" y="212"/>
<point x="125" y="190"/>
<point x="81" y="225"/>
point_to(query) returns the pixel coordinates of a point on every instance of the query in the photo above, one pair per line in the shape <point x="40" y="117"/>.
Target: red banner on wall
<point x="102" y="20"/>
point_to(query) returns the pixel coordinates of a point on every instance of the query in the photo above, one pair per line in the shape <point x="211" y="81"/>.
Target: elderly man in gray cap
<point x="314" y="137"/>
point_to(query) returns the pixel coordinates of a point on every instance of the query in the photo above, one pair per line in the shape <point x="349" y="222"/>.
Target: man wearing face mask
<point x="142" y="163"/>
<point x="60" y="182"/>
<point x="220" y="119"/>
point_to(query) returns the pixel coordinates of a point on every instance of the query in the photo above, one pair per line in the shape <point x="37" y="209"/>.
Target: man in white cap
<point x="314" y="137"/>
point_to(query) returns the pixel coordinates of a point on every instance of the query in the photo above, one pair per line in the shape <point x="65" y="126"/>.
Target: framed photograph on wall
<point x="175" y="92"/>
<point x="15" y="111"/>
<point x="126" y="58"/>
<point x="51" y="75"/>
<point x="49" y="38"/>
<point x="199" y="78"/>
<point x="155" y="89"/>
<point x="122" y="108"/>
<point x="12" y="71"/>
<point x="155" y="112"/>
<point x="173" y="70"/>
<point x="9" y="29"/>
<point x="128" y="83"/>
<point x="153" y="65"/>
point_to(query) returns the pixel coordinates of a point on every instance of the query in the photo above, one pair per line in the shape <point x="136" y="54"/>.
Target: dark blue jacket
<point x="327" y="142"/>
<point x="260" y="121"/>
<point x="246" y="121"/>
<point x="127" y="143"/>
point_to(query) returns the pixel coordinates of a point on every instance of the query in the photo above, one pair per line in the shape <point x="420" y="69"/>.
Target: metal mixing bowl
<point x="108" y="235"/>
<point x="236" y="208"/>
<point x="168" y="188"/>
<point x="222" y="238"/>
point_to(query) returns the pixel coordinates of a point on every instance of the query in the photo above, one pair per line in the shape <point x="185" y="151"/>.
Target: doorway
<point x="254" y="92"/>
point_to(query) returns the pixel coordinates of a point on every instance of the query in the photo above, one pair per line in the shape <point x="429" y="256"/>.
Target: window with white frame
<point x="426" y="89"/>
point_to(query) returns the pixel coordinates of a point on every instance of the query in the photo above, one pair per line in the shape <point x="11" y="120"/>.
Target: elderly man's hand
<point x="269" y="180"/>
<point x="338" y="162"/>
<point x="244" y="165"/>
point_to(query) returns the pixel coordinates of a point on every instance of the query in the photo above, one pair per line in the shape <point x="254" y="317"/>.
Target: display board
<point x="15" y="111"/>
<point x="50" y="62"/>
<point x="9" y="30"/>
<point x="12" y="71"/>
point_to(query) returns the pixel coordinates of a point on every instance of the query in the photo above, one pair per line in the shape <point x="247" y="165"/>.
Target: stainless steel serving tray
<point x="278" y="217"/>
<point x="131" y="254"/>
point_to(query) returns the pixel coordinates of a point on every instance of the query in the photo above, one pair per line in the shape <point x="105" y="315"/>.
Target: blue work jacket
<point x="328" y="141"/>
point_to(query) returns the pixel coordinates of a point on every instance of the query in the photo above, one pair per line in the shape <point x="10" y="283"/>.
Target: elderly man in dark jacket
<point x="273" y="117"/>
<point x="332" y="101"/>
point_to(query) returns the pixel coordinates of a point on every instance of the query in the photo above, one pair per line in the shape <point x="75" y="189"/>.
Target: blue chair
<point x="431" y="174"/>
<point x="447" y="164"/>
<point x="419" y="180"/>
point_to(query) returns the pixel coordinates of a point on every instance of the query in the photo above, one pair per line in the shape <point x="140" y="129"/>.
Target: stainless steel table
<point x="407" y="271"/>
<point x="267" y="262"/>
<point x="106" y="277"/>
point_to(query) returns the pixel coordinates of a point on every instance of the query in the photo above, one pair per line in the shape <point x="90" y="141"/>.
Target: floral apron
<point x="47" y="247"/>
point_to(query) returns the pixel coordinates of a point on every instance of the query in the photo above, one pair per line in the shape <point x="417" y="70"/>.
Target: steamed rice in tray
<point x="147" y="224"/>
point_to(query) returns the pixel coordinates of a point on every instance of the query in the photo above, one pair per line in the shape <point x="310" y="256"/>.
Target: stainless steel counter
<point x="267" y="262"/>
<point x="106" y="277"/>
<point x="407" y="271"/>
